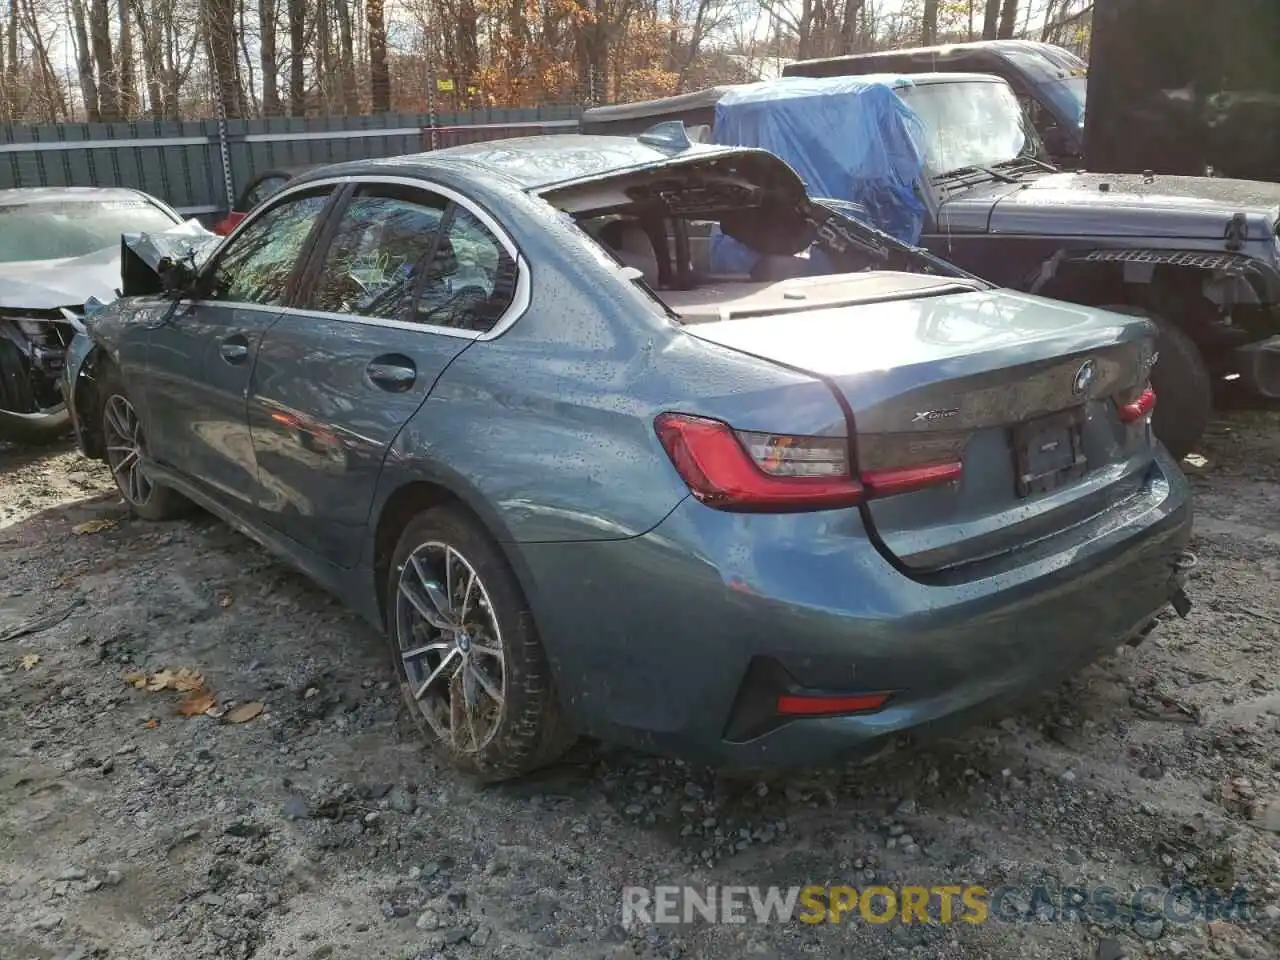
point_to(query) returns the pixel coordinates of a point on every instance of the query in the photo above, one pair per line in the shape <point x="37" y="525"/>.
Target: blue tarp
<point x="849" y="138"/>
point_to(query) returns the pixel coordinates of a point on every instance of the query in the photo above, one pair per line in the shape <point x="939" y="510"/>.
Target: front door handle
<point x="393" y="373"/>
<point x="234" y="349"/>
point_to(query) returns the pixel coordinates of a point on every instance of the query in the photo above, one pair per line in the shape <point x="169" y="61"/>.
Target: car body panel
<point x="847" y="620"/>
<point x="321" y="427"/>
<point x="196" y="396"/>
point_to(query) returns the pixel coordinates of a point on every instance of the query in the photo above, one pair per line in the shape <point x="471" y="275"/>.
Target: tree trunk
<point x="128" y="80"/>
<point x="929" y="24"/>
<point x="1008" y="19"/>
<point x="84" y="62"/>
<point x="991" y="23"/>
<point x="220" y="29"/>
<point x="268" y="11"/>
<point x="347" y="59"/>
<point x="108" y="78"/>
<point x="379" y="71"/>
<point x="297" y="57"/>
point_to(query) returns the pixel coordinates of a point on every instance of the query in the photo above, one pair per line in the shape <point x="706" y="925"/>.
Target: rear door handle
<point x="394" y="373"/>
<point x="234" y="349"/>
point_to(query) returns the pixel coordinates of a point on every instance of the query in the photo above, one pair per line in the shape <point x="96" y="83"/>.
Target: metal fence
<point x="199" y="167"/>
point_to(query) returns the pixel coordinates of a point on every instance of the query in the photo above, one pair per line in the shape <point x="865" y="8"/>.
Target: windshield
<point x="73" y="227"/>
<point x="970" y="125"/>
<point x="1067" y="98"/>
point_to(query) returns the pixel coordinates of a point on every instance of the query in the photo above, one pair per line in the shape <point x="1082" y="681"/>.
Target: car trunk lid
<point x="1022" y="396"/>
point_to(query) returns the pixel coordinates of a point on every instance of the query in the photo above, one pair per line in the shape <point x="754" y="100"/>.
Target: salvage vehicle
<point x="1051" y="83"/>
<point x="739" y="521"/>
<point x="59" y="247"/>
<point x="1198" y="256"/>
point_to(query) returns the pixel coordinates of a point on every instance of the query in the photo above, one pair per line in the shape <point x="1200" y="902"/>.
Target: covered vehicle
<point x="737" y="520"/>
<point x="1199" y="256"/>
<point x="59" y="249"/>
<point x="1050" y="82"/>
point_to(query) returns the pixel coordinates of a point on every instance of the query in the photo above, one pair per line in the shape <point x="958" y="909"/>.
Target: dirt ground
<point x="322" y="828"/>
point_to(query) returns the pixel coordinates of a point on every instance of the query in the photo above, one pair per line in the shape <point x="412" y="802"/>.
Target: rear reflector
<point x="759" y="472"/>
<point x="1137" y="409"/>
<point x="885" y="483"/>
<point x="793" y="705"/>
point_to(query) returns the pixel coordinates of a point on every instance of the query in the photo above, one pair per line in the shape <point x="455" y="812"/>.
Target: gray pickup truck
<point x="1199" y="256"/>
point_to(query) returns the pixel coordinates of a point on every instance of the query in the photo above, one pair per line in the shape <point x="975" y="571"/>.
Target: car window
<point x="472" y="279"/>
<point x="263" y="189"/>
<point x="257" y="263"/>
<point x="379" y="253"/>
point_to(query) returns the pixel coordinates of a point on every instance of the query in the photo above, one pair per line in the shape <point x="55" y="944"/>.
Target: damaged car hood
<point x="1119" y="205"/>
<point x="69" y="282"/>
<point x="143" y="253"/>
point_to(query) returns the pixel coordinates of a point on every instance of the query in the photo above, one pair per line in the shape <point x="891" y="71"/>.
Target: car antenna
<point x="668" y="135"/>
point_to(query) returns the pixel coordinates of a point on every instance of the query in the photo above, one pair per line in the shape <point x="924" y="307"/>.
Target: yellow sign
<point x="445" y="86"/>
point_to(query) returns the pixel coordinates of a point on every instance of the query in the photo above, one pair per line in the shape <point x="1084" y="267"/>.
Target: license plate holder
<point x="1049" y="452"/>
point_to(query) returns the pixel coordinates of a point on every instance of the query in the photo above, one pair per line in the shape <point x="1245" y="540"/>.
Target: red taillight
<point x="795" y="705"/>
<point x="1135" y="410"/>
<point x="748" y="471"/>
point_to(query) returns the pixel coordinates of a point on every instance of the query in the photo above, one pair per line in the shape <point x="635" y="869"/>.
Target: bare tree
<point x="929" y="23"/>
<point x="268" y="14"/>
<point x="379" y="74"/>
<point x="991" y="22"/>
<point x="1008" y="19"/>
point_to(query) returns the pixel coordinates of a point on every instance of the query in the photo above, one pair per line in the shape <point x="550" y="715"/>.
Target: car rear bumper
<point x="679" y="641"/>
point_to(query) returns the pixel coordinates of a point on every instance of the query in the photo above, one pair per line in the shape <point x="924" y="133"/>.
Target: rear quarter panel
<point x="548" y="429"/>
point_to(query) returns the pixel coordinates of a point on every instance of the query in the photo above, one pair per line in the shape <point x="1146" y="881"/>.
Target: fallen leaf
<point x="29" y="661"/>
<point x="244" y="712"/>
<point x="183" y="681"/>
<point x="136" y="678"/>
<point x="152" y="723"/>
<point x="187" y="680"/>
<point x="95" y="526"/>
<point x="197" y="702"/>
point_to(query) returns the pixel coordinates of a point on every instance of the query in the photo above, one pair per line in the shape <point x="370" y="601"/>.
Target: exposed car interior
<point x="727" y="236"/>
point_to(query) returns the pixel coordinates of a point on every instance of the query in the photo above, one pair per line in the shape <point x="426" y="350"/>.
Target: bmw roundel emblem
<point x="1084" y="377"/>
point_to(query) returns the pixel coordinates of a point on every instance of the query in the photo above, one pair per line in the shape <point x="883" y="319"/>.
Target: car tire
<point x="483" y="694"/>
<point x="1184" y="389"/>
<point x="123" y="444"/>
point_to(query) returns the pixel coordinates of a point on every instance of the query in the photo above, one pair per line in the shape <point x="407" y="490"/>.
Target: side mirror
<point x="177" y="277"/>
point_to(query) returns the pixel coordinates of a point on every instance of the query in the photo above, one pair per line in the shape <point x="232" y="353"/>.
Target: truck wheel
<point x="1184" y="390"/>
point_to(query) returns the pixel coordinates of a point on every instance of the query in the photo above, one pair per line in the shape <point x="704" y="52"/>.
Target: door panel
<point x="405" y="284"/>
<point x="329" y="396"/>
<point x="200" y="361"/>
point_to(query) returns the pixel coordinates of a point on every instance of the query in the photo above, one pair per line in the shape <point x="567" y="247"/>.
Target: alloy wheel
<point x="450" y="643"/>
<point x="126" y="447"/>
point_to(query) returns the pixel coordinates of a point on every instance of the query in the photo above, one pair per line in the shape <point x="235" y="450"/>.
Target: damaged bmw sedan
<point x="496" y="399"/>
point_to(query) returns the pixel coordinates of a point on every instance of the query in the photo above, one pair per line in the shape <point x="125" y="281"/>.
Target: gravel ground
<point x="322" y="828"/>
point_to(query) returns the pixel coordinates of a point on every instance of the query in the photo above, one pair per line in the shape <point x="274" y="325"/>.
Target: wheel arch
<point x="1171" y="283"/>
<point x="86" y="399"/>
<point x="414" y="494"/>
